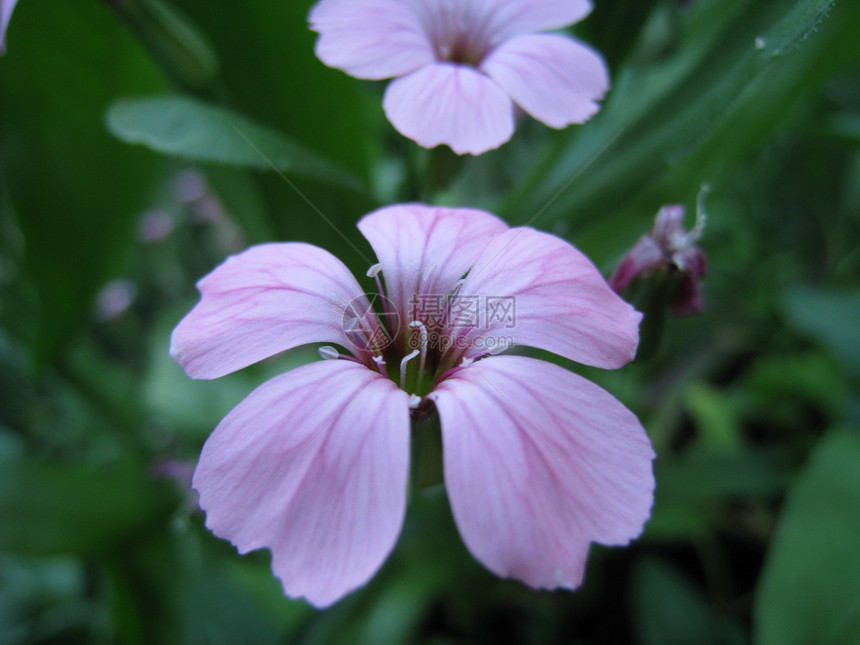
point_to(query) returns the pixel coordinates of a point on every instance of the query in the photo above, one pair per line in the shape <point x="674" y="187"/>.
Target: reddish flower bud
<point x="669" y="251"/>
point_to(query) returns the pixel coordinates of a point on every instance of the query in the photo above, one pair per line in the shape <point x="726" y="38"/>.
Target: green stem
<point x="426" y="468"/>
<point x="175" y="42"/>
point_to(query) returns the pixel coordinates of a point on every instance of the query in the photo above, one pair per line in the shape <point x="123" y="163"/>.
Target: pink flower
<point x="668" y="248"/>
<point x="314" y="464"/>
<point x="460" y="65"/>
<point x="6" y="7"/>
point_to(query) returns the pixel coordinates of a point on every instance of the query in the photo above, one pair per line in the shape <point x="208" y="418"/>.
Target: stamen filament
<point x="373" y="272"/>
<point x="403" y="362"/>
<point x="423" y="339"/>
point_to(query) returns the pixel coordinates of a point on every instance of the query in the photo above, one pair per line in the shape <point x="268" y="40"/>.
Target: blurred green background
<point x="124" y="179"/>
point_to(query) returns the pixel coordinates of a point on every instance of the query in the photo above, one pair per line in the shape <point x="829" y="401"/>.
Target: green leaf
<point x="50" y="509"/>
<point x="810" y="587"/>
<point x="669" y="609"/>
<point x="701" y="475"/>
<point x="75" y="190"/>
<point x="662" y="115"/>
<point x="271" y="74"/>
<point x="194" y="130"/>
<point x="832" y="317"/>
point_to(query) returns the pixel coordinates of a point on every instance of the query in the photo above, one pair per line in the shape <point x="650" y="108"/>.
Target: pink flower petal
<point x="268" y="299"/>
<point x="372" y="39"/>
<point x="528" y="16"/>
<point x="539" y="463"/>
<point x="561" y="302"/>
<point x="6" y="8"/>
<point x="554" y="78"/>
<point x="450" y="104"/>
<point x="313" y="465"/>
<point x="426" y="249"/>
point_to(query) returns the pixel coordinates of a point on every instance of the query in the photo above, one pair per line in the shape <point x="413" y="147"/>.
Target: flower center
<point x="416" y="348"/>
<point x="459" y="31"/>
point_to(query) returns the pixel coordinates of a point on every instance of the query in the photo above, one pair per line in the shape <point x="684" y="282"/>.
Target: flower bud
<point x="669" y="256"/>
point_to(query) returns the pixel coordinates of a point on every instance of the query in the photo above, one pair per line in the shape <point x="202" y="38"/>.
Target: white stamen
<point x="328" y="352"/>
<point x="414" y="401"/>
<point x="505" y="345"/>
<point x="423" y="338"/>
<point x="373" y="271"/>
<point x="403" y="362"/>
<point x="467" y="360"/>
<point x="379" y="363"/>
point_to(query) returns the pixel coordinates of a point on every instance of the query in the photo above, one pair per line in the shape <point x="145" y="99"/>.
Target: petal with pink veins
<point x="270" y="298"/>
<point x="539" y="463"/>
<point x="515" y="17"/>
<point x="554" y="78"/>
<point x="450" y="104"/>
<point x="313" y="465"/>
<point x="559" y="300"/>
<point x="426" y="249"/>
<point x="370" y="39"/>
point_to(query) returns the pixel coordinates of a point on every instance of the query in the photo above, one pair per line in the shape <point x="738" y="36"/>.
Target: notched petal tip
<point x="539" y="464"/>
<point x="556" y="79"/>
<point x="453" y="105"/>
<point x="314" y="466"/>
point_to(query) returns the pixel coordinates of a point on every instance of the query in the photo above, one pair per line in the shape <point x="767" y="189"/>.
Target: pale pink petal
<point x="268" y="299"/>
<point x="426" y="249"/>
<point x="372" y="39"/>
<point x="529" y="16"/>
<point x="542" y="292"/>
<point x="539" y="463"/>
<point x="450" y="104"/>
<point x="6" y="7"/>
<point x="554" y="78"/>
<point x="313" y="465"/>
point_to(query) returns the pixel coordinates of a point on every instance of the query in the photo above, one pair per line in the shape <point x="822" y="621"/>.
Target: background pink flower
<point x="461" y="65"/>
<point x="6" y="7"/>
<point x="314" y="464"/>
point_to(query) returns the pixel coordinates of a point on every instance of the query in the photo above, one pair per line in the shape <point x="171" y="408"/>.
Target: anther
<point x="504" y="346"/>
<point x="380" y="363"/>
<point x="414" y="401"/>
<point x="403" y="362"/>
<point x="373" y="272"/>
<point x="328" y="353"/>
